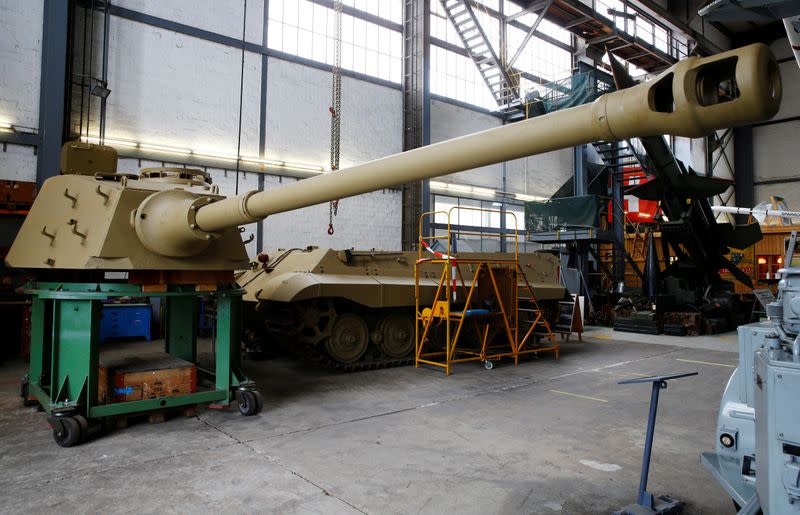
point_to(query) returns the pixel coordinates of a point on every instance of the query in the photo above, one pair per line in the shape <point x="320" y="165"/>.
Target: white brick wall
<point x="364" y="222"/>
<point x="181" y="91"/>
<point x="20" y="65"/>
<point x="220" y="16"/>
<point x="536" y="175"/>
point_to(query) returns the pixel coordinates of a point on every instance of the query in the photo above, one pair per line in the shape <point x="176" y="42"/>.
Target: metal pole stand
<point x="646" y="503"/>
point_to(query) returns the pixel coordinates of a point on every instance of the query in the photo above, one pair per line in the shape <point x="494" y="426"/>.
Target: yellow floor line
<point x="705" y="363"/>
<point x="579" y="396"/>
<point x="599" y="336"/>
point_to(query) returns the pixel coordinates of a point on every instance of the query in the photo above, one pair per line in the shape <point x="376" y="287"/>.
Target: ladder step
<point x="526" y="310"/>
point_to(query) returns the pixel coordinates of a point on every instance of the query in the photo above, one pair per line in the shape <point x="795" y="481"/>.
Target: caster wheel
<point x="67" y="432"/>
<point x="250" y="402"/>
<point x="84" y="425"/>
<point x="24" y="392"/>
<point x="488" y="365"/>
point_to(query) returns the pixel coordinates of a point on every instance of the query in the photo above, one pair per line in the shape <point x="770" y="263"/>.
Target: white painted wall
<point x="176" y="90"/>
<point x="20" y="65"/>
<point x="203" y="115"/>
<point x="536" y="175"/>
<point x="181" y="91"/>
<point x="298" y="129"/>
<point x="220" y="16"/>
<point x="775" y="146"/>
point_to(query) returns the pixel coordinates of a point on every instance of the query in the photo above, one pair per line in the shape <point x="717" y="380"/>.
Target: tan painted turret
<point x="167" y="222"/>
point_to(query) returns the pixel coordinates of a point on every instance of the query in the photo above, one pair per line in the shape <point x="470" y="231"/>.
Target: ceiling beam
<point x="527" y="38"/>
<point x="703" y="43"/>
<point x="535" y="6"/>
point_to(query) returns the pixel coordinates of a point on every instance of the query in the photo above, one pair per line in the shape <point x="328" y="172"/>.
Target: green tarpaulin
<point x="563" y="213"/>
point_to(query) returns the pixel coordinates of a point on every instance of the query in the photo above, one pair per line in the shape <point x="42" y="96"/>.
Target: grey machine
<point x="757" y="456"/>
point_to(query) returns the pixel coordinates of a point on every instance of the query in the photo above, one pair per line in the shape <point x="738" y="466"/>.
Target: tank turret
<point x="175" y="220"/>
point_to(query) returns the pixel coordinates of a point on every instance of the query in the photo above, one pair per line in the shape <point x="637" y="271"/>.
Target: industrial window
<point x="456" y="76"/>
<point x="391" y="10"/>
<point x="636" y="24"/>
<point x="634" y="70"/>
<point x="540" y="58"/>
<point x="491" y="220"/>
<point x="306" y="29"/>
<point x="545" y="26"/>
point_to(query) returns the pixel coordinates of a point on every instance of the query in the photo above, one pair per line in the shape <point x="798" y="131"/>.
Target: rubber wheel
<point x="259" y="401"/>
<point x="84" y="425"/>
<point x="68" y="432"/>
<point x="250" y="402"/>
<point x="24" y="392"/>
<point x="488" y="365"/>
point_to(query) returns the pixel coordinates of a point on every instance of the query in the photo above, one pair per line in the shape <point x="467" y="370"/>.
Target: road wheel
<point x="315" y="320"/>
<point x="394" y="335"/>
<point x="349" y="338"/>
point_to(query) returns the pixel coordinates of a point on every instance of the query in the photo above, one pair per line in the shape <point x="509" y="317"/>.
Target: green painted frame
<point x="65" y="350"/>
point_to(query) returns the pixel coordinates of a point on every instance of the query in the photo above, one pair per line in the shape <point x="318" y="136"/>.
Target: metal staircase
<point x="620" y="157"/>
<point x="503" y="85"/>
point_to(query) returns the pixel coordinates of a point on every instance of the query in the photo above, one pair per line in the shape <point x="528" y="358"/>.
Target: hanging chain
<point x="336" y="104"/>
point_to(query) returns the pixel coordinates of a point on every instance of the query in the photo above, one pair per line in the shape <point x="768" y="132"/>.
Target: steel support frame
<point x="53" y="88"/>
<point x="262" y="111"/>
<point x="64" y="358"/>
<point x="529" y="34"/>
<point x="719" y="144"/>
<point x="522" y="26"/>
<point x="618" y="227"/>
<point x="505" y="320"/>
<point x="416" y="112"/>
<point x="704" y="44"/>
<point x="743" y="168"/>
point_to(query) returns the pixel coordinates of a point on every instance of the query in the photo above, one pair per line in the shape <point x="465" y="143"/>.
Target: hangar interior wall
<point x="178" y="90"/>
<point x="775" y="156"/>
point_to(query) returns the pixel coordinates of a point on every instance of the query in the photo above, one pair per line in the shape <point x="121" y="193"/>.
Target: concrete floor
<point x="543" y="437"/>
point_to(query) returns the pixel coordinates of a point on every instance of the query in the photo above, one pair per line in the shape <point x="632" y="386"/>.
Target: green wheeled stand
<point x="64" y="356"/>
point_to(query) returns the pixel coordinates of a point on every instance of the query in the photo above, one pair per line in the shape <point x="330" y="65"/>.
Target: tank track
<point x="319" y="357"/>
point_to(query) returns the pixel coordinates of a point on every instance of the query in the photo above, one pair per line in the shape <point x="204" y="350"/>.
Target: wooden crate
<point x="137" y="378"/>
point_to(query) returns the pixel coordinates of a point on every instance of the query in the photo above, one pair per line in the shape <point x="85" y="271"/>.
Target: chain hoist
<point x="336" y="104"/>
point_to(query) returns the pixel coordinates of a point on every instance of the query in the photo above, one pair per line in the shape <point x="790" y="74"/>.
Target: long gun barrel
<point x="105" y="221"/>
<point x="683" y="101"/>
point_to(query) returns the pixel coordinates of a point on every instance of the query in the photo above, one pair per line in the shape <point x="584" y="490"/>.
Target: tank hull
<point x="299" y="296"/>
